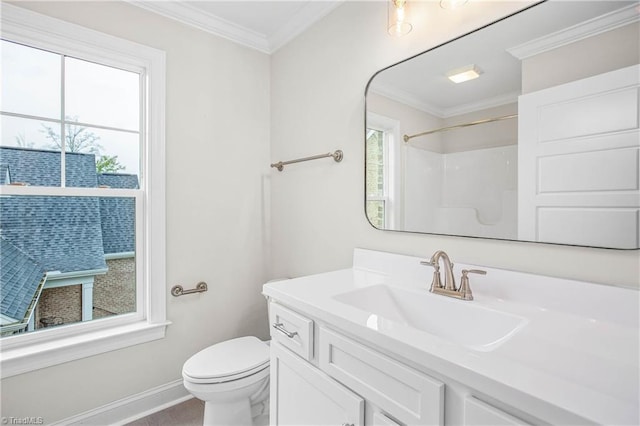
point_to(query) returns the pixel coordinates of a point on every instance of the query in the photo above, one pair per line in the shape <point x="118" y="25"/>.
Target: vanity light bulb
<point x="397" y="18"/>
<point x="452" y="4"/>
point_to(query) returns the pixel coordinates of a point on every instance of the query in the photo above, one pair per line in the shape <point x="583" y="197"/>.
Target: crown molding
<point x="208" y="22"/>
<point x="586" y="29"/>
<point x="197" y="18"/>
<point x="496" y="101"/>
<point x="431" y="109"/>
<point x="311" y="13"/>
<point x="407" y="99"/>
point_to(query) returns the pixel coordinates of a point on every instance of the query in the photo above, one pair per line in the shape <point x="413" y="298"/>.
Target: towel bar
<point x="337" y="156"/>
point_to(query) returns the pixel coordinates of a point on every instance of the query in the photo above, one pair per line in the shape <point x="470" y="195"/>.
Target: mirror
<point x="543" y="145"/>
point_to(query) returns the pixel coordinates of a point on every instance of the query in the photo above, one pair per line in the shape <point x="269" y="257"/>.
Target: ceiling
<point x="263" y="25"/>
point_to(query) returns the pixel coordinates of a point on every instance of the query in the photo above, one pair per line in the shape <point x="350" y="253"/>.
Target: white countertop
<point x="575" y="360"/>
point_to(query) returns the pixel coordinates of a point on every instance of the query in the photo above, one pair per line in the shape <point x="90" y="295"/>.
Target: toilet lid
<point x="228" y="360"/>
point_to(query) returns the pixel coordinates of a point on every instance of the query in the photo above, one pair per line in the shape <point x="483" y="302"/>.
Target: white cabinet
<point x="379" y="419"/>
<point x="292" y="330"/>
<point x="478" y="413"/>
<point x="407" y="394"/>
<point x="303" y="395"/>
<point x="322" y="377"/>
<point x="333" y="384"/>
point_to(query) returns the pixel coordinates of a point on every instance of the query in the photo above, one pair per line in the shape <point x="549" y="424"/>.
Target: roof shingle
<point x="51" y="233"/>
<point x="20" y="276"/>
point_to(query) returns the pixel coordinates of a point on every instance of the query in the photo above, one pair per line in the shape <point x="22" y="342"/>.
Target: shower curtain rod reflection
<point x="458" y="126"/>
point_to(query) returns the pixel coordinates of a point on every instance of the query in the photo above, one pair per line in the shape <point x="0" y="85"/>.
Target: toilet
<point x="232" y="378"/>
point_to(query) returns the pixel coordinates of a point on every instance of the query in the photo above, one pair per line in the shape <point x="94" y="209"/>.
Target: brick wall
<point x="59" y="305"/>
<point x="113" y="293"/>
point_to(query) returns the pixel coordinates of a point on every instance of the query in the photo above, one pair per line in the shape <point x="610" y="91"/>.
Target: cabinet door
<point x="380" y="419"/>
<point x="408" y="395"/>
<point x="303" y="395"/>
<point x="477" y="413"/>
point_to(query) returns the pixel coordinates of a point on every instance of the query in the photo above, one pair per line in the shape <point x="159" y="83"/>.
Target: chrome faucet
<point x="449" y="288"/>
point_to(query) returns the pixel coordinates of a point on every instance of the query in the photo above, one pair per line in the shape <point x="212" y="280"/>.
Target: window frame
<point x="390" y="129"/>
<point x="31" y="351"/>
<point x="384" y="198"/>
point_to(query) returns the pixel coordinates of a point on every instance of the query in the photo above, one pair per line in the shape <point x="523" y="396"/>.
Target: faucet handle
<point x="465" y="288"/>
<point x="474" y="271"/>
<point x="436" y="274"/>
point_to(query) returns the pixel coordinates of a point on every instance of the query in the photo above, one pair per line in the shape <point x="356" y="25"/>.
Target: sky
<point x="94" y="94"/>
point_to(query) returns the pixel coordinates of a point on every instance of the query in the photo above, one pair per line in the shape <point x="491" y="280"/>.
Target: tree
<point x="76" y="139"/>
<point x="108" y="164"/>
<point x="79" y="139"/>
<point x="21" y="141"/>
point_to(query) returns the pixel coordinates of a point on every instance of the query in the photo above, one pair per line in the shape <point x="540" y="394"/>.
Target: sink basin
<point x="462" y="322"/>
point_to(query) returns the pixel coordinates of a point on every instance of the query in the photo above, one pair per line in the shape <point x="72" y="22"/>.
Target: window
<point x="377" y="188"/>
<point x="81" y="192"/>
<point x="381" y="181"/>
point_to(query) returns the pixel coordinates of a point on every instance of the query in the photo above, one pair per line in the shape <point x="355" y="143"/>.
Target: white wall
<point x="487" y="135"/>
<point x="616" y="49"/>
<point x="318" y="82"/>
<point x="411" y="120"/>
<point x="217" y="134"/>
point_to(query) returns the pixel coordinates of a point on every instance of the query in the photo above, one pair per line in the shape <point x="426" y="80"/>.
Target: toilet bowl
<point x="231" y="377"/>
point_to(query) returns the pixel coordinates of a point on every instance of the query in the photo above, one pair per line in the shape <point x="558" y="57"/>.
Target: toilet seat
<point x="227" y="361"/>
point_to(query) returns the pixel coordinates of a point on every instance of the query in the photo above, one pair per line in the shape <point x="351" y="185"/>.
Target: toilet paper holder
<point x="177" y="290"/>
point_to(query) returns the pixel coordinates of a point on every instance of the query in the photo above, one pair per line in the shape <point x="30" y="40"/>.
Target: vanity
<point x="371" y="345"/>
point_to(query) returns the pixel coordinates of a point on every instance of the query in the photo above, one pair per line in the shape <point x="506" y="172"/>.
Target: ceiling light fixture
<point x="452" y="4"/>
<point x="466" y="73"/>
<point x="397" y="18"/>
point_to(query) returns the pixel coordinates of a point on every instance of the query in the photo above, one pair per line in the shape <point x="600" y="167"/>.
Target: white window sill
<point x="35" y="356"/>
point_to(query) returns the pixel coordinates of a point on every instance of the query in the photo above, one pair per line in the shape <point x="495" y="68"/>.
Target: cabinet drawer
<point x="478" y="413"/>
<point x="292" y="330"/>
<point x="404" y="393"/>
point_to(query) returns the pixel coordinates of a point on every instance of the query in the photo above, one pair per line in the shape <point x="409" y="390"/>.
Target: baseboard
<point x="133" y="407"/>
